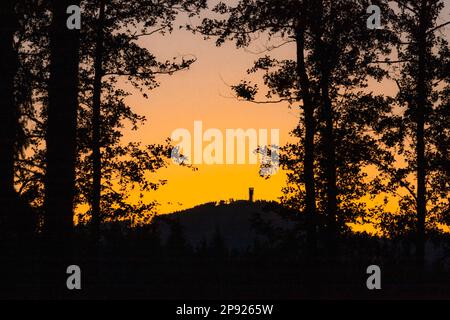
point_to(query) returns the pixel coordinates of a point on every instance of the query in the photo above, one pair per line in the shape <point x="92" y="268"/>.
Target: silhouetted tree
<point x="60" y="156"/>
<point x="202" y="248"/>
<point x="334" y="55"/>
<point x="288" y="18"/>
<point x="61" y="124"/>
<point x="112" y="52"/>
<point x="8" y="111"/>
<point x="16" y="218"/>
<point x="122" y="58"/>
<point x="29" y="93"/>
<point x="177" y="246"/>
<point x="218" y="248"/>
<point x="420" y="132"/>
<point x="96" y="110"/>
<point x="32" y="44"/>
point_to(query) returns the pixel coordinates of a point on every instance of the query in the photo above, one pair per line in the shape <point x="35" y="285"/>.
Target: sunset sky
<point x="204" y="93"/>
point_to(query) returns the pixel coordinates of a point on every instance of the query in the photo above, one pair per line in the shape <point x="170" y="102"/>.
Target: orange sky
<point x="203" y="93"/>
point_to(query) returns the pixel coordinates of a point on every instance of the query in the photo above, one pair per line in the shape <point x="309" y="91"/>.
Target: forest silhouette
<point x="62" y="114"/>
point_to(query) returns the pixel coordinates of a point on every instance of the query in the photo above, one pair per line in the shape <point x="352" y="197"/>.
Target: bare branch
<point x="404" y="5"/>
<point x="147" y="33"/>
<point x="269" y="48"/>
<point x="438" y="27"/>
<point x="264" y="102"/>
<point x="391" y="62"/>
<point x="258" y="102"/>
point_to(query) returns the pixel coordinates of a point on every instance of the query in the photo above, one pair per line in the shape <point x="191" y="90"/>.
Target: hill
<point x="234" y="221"/>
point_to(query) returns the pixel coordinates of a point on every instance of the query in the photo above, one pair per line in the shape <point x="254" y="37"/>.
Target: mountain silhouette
<point x="234" y="221"/>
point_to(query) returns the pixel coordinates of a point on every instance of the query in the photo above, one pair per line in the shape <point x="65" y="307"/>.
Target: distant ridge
<point x="232" y="219"/>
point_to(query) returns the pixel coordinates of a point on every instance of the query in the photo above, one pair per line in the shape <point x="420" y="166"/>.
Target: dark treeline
<point x="62" y="159"/>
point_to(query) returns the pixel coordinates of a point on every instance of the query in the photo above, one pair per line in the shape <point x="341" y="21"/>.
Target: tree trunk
<point x="8" y="112"/>
<point x="328" y="134"/>
<point x="309" y="123"/>
<point x="61" y="139"/>
<point x="330" y="165"/>
<point x="96" y="123"/>
<point x="420" y="139"/>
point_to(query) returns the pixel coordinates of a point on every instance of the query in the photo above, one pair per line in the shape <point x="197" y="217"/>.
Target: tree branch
<point x="392" y="62"/>
<point x="404" y="5"/>
<point x="438" y="27"/>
